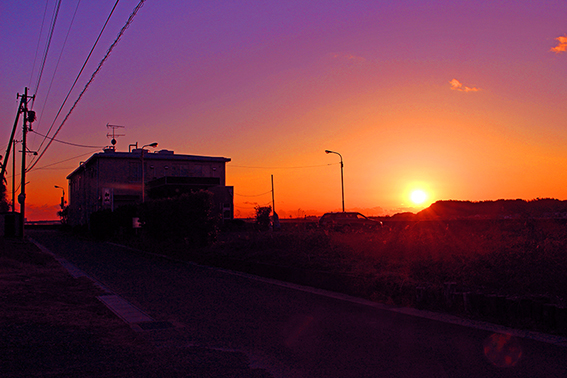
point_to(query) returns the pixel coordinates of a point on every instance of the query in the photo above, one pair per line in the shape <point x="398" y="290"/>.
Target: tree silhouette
<point x="263" y="217"/>
<point x="3" y="201"/>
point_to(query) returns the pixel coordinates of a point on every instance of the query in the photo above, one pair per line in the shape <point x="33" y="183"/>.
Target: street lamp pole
<point x="153" y="145"/>
<point x="62" y="196"/>
<point x="342" y="180"/>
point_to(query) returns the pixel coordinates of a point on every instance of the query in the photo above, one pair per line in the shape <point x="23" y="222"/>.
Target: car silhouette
<point x="347" y="221"/>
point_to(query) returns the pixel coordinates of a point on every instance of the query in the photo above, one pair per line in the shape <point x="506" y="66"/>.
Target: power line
<point x="68" y="143"/>
<point x="72" y="87"/>
<point x="46" y="98"/>
<point x="130" y="19"/>
<point x="300" y="167"/>
<point x="48" y="45"/>
<point x="38" y="43"/>
<point x="57" y="162"/>
<point x="63" y="161"/>
<point x="253" y="195"/>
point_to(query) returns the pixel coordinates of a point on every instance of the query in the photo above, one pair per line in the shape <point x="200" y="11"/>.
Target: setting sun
<point x="418" y="196"/>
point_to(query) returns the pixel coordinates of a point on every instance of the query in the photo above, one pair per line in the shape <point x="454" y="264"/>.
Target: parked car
<point x="347" y="221"/>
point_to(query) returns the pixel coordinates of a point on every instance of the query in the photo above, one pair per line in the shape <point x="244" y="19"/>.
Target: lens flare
<point x="502" y="350"/>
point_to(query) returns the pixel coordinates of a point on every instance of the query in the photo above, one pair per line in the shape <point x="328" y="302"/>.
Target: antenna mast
<point x="113" y="134"/>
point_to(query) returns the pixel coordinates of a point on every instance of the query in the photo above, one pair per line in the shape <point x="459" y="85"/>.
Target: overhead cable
<point x="38" y="42"/>
<point x="253" y="195"/>
<point x="71" y="89"/>
<point x="46" y="52"/>
<point x="63" y="142"/>
<point x="46" y="97"/>
<point x="130" y="19"/>
<point x="300" y="167"/>
<point x="63" y="161"/>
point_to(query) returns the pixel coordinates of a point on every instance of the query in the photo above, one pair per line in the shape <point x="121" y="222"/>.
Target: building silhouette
<point x="110" y="179"/>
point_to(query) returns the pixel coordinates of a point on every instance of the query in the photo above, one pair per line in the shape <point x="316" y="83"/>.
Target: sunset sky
<point x="463" y="100"/>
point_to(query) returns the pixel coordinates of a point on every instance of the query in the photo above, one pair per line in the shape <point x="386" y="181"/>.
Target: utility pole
<point x="29" y="116"/>
<point x="273" y="202"/>
<point x="14" y="179"/>
<point x="275" y="219"/>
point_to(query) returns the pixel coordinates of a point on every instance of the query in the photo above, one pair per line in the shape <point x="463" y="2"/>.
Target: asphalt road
<point x="300" y="333"/>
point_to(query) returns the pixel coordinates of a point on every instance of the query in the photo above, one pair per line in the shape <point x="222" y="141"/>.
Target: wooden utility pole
<point x="14" y="179"/>
<point x="29" y="116"/>
<point x="275" y="219"/>
<point x="273" y="202"/>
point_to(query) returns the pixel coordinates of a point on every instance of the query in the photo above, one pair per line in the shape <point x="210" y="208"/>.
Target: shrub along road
<point x="299" y="333"/>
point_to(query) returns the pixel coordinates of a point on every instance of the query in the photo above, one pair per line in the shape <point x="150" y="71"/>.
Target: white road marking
<point x="446" y="318"/>
<point x="124" y="309"/>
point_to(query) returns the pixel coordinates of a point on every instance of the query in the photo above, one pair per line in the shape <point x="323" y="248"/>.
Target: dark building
<point x="110" y="179"/>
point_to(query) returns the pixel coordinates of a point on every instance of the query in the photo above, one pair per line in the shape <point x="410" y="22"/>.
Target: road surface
<point x="298" y="332"/>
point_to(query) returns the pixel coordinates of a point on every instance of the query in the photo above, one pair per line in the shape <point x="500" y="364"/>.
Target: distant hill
<point x="538" y="208"/>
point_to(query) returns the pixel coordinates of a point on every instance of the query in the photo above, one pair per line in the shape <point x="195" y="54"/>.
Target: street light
<point x="62" y="197"/>
<point x="342" y="181"/>
<point x="153" y="145"/>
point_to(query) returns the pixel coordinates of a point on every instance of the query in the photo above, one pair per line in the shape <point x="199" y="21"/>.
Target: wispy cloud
<point x="348" y="57"/>
<point x="562" y="46"/>
<point x="457" y="86"/>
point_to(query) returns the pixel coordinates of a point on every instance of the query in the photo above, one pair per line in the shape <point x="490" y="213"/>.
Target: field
<point x="414" y="263"/>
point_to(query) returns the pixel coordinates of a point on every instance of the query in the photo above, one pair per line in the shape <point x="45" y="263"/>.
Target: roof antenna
<point x="113" y="135"/>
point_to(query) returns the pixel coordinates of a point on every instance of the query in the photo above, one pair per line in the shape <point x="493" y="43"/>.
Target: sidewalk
<point x="52" y="325"/>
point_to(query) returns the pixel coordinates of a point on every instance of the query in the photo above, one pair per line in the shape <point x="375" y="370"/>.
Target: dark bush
<point x="234" y="225"/>
<point x="124" y="218"/>
<point x="190" y="218"/>
<point x="105" y="224"/>
<point x="263" y="217"/>
<point x="102" y="224"/>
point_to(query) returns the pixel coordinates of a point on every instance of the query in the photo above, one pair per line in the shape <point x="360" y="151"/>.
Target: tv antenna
<point x="113" y="134"/>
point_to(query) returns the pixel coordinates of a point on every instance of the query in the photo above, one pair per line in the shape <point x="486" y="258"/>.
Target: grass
<point x="510" y="257"/>
<point x="506" y="257"/>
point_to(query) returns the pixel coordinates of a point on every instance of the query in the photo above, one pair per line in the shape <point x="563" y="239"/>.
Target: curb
<point x="527" y="314"/>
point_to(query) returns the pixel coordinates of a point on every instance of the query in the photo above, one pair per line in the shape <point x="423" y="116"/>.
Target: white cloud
<point x="457" y="86"/>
